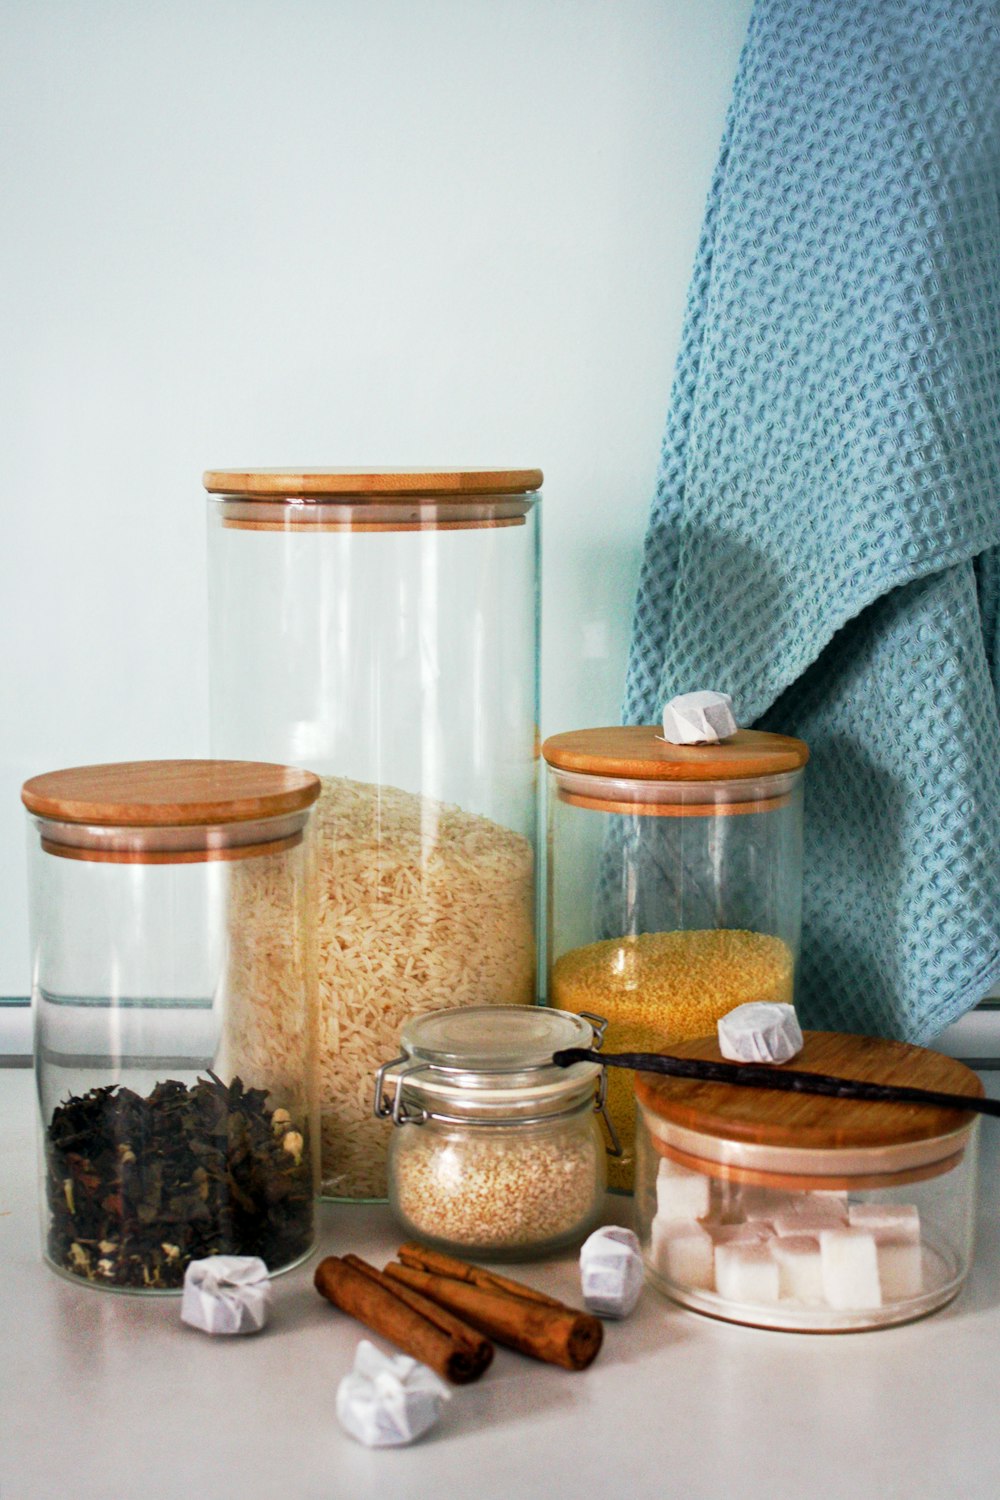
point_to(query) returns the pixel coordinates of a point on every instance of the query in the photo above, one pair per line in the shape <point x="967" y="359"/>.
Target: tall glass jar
<point x="382" y="629"/>
<point x="675" y="885"/>
<point x="173" y="988"/>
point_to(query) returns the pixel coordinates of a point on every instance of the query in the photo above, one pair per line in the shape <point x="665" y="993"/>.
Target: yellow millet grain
<point x="661" y="987"/>
<point x="498" y="1191"/>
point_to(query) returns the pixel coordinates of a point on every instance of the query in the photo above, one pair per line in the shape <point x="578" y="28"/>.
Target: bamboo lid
<point x="638" y="752"/>
<point x="170" y="793"/>
<point x="369" y="484"/>
<point x="810" y="1122"/>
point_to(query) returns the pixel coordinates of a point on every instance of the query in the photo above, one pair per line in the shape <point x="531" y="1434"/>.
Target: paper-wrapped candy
<point x="698" y="719"/>
<point x="760" y="1032"/>
<point x="389" y="1400"/>
<point x="611" y="1273"/>
<point x="226" y="1294"/>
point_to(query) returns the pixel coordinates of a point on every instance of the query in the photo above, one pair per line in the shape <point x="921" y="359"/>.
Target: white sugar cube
<point x="898" y="1221"/>
<point x="226" y="1294"/>
<point x="900" y="1267"/>
<point x="737" y="1234"/>
<point x="809" y="1221"/>
<point x="799" y="1267"/>
<point x="389" y="1400"/>
<point x="764" y="1203"/>
<point x="682" y="1252"/>
<point x="746" y="1272"/>
<point x="760" y="1032"/>
<point x="698" y="719"/>
<point x="681" y="1193"/>
<point x="850" y="1269"/>
<point x="611" y="1272"/>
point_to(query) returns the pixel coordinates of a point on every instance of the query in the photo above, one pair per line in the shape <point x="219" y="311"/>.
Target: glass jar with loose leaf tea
<point x="177" y="1121"/>
<point x="675" y="885"/>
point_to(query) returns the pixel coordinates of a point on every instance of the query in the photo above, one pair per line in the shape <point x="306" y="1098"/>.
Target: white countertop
<point x="109" y="1397"/>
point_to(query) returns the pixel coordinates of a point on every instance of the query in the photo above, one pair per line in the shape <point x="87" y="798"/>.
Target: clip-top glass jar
<point x="173" y="988"/>
<point x="497" y="1152"/>
<point x="382" y="630"/>
<point x="805" y="1212"/>
<point x="675" y="885"/>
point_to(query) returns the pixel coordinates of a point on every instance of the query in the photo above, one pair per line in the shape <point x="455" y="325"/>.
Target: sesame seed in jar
<point x="506" y="1192"/>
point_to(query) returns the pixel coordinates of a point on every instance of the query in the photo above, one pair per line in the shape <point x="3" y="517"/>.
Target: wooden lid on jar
<point x="774" y="1132"/>
<point x="276" y="484"/>
<point x="315" y="501"/>
<point x="170" y="811"/>
<point x="638" y="752"/>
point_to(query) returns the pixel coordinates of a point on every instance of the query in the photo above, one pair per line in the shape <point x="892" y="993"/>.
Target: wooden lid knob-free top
<point x="170" y="811"/>
<point x="812" y="1122"/>
<point x="370" y="484"/>
<point x="638" y="752"/>
<point x="170" y="793"/>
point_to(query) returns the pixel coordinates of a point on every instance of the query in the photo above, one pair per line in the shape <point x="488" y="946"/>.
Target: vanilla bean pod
<point x="783" y="1079"/>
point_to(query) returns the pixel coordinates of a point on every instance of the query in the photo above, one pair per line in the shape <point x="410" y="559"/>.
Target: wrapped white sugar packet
<point x="226" y="1294"/>
<point x="760" y="1032"/>
<point x="389" y="1400"/>
<point x="698" y="719"/>
<point x="611" y="1272"/>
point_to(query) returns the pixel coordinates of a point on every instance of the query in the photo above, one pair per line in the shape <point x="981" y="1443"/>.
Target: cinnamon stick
<point x="541" y="1327"/>
<point x="425" y="1259"/>
<point x="419" y="1327"/>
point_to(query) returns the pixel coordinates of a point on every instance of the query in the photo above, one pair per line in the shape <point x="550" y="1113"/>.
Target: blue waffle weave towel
<point x="823" y="543"/>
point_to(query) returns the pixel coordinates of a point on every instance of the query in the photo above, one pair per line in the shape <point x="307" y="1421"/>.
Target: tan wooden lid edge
<point x="169" y="793"/>
<point x="638" y="752"/>
<point x="277" y="484"/>
<point x="811" y="1121"/>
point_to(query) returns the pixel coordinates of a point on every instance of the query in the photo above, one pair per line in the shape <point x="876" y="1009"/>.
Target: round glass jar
<point x="173" y="990"/>
<point x="675" y="885"/>
<point x="806" y="1213"/>
<point x="381" y="629"/>
<point x="496" y="1152"/>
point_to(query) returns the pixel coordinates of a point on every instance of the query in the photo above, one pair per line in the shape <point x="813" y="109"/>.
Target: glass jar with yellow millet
<point x="675" y="886"/>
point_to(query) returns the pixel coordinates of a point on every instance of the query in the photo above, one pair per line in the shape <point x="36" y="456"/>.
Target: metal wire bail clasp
<point x="395" y="1110"/>
<point x="599" y="1025"/>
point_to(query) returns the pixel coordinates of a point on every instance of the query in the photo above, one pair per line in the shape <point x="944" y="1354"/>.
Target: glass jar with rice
<point x="380" y="628"/>
<point x="675" y="878"/>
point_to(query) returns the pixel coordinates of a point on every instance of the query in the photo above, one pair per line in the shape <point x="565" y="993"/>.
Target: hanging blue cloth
<point x="823" y="543"/>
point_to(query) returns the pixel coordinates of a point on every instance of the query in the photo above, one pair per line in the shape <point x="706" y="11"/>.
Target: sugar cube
<point x="898" y="1221"/>
<point x="809" y="1221"/>
<point x="764" y="1203"/>
<point x="900" y="1267"/>
<point x="746" y="1272"/>
<point x="760" y="1032"/>
<point x="799" y="1267"/>
<point x="681" y="1193"/>
<point x="682" y="1252"/>
<point x="611" y="1272"/>
<point x="850" y="1269"/>
<point x="730" y="1234"/>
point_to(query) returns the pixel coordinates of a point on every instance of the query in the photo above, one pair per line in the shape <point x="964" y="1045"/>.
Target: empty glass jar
<point x="382" y="630"/>
<point x="675" y="885"/>
<point x="808" y="1213"/>
<point x="496" y="1152"/>
<point x="173" y="989"/>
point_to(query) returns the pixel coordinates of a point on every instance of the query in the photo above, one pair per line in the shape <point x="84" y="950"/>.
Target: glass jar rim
<point x="492" y="1061"/>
